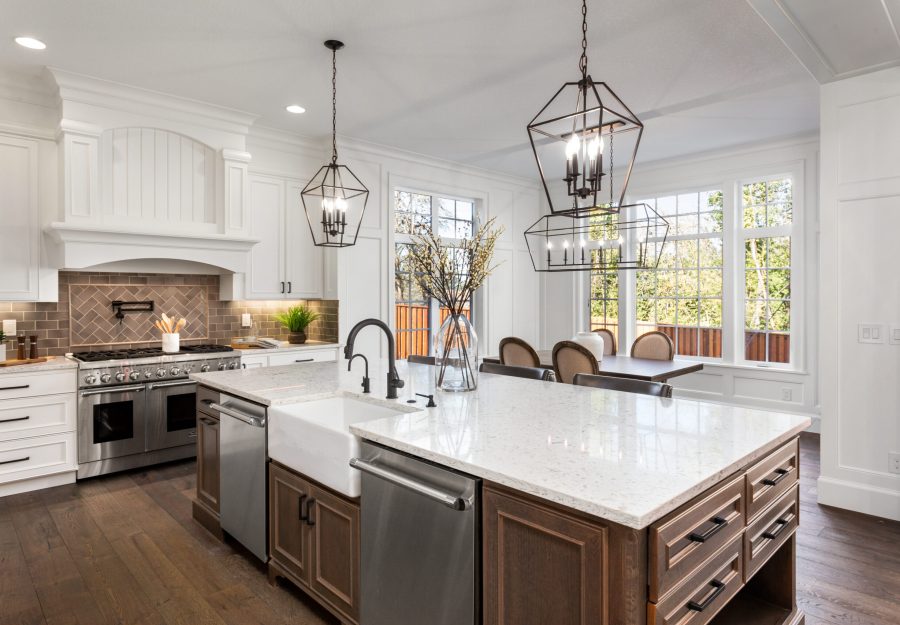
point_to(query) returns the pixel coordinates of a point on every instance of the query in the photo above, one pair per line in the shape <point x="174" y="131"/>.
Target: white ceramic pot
<point x="2" y="352"/>
<point x="592" y="341"/>
<point x="171" y="343"/>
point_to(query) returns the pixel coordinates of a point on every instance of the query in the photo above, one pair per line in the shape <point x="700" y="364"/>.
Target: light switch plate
<point x="871" y="333"/>
<point x="246" y="320"/>
<point x="894" y="337"/>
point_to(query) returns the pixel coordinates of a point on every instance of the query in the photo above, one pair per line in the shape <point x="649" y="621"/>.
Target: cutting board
<point x="27" y="361"/>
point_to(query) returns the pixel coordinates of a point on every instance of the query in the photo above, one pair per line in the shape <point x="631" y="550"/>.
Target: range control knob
<point x="105" y="378"/>
<point x="221" y="366"/>
<point x="90" y="379"/>
<point x="120" y="377"/>
<point x="233" y="365"/>
<point x="148" y="374"/>
<point x="160" y="373"/>
<point x="188" y="369"/>
<point x="175" y="371"/>
<point x="204" y="368"/>
<point x="134" y="376"/>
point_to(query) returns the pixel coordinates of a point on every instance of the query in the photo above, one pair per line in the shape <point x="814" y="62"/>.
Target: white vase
<point x="592" y="341"/>
<point x="171" y="343"/>
<point x="2" y="352"/>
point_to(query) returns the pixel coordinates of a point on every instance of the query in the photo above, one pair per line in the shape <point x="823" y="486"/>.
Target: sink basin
<point x="313" y="437"/>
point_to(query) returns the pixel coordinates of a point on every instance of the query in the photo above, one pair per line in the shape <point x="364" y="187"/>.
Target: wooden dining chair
<point x="518" y="353"/>
<point x="570" y="358"/>
<point x="653" y="345"/>
<point x="420" y="360"/>
<point x="609" y="341"/>
<point x="626" y="385"/>
<point x="530" y="373"/>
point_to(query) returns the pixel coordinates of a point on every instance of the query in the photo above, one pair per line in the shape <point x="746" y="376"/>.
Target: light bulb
<point x="620" y="240"/>
<point x="328" y="203"/>
<point x="549" y="245"/>
<point x="572" y="146"/>
<point x="341" y="204"/>
<point x="583" y="243"/>
<point x="595" y="146"/>
<point x="566" y="244"/>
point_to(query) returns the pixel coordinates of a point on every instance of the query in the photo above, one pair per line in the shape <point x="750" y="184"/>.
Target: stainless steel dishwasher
<point x="421" y="541"/>
<point x="243" y="497"/>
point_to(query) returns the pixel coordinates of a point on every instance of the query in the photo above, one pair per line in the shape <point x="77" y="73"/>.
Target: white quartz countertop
<point x="54" y="363"/>
<point x="286" y="347"/>
<point x="630" y="459"/>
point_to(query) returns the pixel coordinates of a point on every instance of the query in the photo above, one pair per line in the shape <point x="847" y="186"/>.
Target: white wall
<point x="860" y="191"/>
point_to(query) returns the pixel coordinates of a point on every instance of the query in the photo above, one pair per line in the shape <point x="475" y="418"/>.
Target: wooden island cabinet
<point x="725" y="557"/>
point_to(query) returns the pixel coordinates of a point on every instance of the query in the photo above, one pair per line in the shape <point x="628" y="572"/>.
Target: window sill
<point x="742" y="367"/>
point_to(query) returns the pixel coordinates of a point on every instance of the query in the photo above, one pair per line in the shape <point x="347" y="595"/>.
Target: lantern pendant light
<point x="574" y="145"/>
<point x="334" y="199"/>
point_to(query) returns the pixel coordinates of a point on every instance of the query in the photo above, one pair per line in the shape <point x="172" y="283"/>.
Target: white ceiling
<point x="456" y="80"/>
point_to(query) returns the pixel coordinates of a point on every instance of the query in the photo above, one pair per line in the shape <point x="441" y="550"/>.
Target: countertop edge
<point x="615" y="516"/>
<point x="58" y="363"/>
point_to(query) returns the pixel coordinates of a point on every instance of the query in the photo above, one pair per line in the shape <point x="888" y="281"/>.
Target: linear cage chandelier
<point x="334" y="199"/>
<point x="633" y="238"/>
<point x="575" y="145"/>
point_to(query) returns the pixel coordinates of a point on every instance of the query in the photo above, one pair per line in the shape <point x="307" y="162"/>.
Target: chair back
<point x="420" y="360"/>
<point x="609" y="341"/>
<point x="570" y="358"/>
<point x="530" y="373"/>
<point x="653" y="345"/>
<point x="518" y="353"/>
<point x="657" y="389"/>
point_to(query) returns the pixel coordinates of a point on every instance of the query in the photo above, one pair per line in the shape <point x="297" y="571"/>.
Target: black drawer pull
<point x="15" y="419"/>
<point x="16" y="460"/>
<point x="290" y="290"/>
<point x="310" y="520"/>
<point x="305" y="360"/>
<point x="719" y="589"/>
<point x="303" y="515"/>
<point x="781" y="473"/>
<point x="702" y="538"/>
<point x="14" y="388"/>
<point x="772" y="535"/>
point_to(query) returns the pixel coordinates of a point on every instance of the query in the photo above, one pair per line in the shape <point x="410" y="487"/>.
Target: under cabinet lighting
<point x="31" y="43"/>
<point x="296" y="109"/>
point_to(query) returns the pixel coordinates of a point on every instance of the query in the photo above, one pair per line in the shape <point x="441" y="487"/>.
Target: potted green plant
<point x="296" y="319"/>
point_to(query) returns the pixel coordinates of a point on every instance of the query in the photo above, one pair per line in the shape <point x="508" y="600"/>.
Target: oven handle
<point x="240" y="416"/>
<point x="170" y="384"/>
<point x="113" y="390"/>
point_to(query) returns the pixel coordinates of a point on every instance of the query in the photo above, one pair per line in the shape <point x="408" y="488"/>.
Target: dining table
<point x="621" y="366"/>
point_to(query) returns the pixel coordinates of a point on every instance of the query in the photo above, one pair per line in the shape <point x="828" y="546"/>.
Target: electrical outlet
<point x="9" y="327"/>
<point x="871" y="333"/>
<point x="787" y="394"/>
<point x="246" y="320"/>
<point x="894" y="461"/>
<point x="894" y="337"/>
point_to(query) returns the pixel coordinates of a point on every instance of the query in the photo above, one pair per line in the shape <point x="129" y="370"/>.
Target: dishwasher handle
<point x="240" y="416"/>
<point x="446" y="499"/>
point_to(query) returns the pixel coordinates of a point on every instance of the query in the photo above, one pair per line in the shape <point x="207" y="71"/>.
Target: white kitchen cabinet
<point x="20" y="235"/>
<point x="284" y="264"/>
<point x="287" y="356"/>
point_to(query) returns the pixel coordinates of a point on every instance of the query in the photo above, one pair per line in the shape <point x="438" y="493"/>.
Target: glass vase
<point x="456" y="355"/>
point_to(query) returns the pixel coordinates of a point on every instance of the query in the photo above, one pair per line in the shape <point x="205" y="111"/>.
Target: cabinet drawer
<point x="704" y="593"/>
<point x="36" y="384"/>
<point x="770" y="530"/>
<point x="36" y="416"/>
<point x="771" y="477"/>
<point x="313" y="355"/>
<point x="34" y="457"/>
<point x="687" y="537"/>
<point x="205" y="397"/>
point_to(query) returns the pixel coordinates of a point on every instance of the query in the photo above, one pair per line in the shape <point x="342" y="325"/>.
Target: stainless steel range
<point x="137" y="407"/>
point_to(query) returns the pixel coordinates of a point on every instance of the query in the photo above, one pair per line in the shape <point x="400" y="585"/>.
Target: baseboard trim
<point x="859" y="497"/>
<point x="37" y="483"/>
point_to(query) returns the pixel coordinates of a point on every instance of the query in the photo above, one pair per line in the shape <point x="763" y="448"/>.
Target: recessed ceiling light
<point x="31" y="43"/>
<point x="295" y="108"/>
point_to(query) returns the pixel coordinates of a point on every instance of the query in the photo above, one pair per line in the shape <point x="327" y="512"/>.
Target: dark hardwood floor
<point x="123" y="549"/>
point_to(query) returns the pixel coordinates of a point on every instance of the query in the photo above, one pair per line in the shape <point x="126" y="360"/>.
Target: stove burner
<point x="145" y="352"/>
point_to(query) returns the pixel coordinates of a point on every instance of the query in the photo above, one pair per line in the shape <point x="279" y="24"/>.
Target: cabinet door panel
<point x="208" y="461"/>
<point x="334" y="534"/>
<point x="288" y="541"/>
<point x="542" y="566"/>
<point x="266" y="276"/>
<point x="19" y="235"/>
<point x="303" y="259"/>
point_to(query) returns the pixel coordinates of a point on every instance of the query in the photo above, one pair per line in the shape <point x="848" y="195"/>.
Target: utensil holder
<point x="171" y="343"/>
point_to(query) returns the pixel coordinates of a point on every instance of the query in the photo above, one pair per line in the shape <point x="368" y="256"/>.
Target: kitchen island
<point x="598" y="506"/>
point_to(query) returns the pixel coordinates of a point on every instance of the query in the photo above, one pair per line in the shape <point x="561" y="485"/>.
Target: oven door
<point x="110" y="422"/>
<point x="172" y="414"/>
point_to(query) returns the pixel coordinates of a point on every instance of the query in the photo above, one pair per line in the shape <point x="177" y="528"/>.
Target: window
<point x="767" y="222"/>
<point x="417" y="315"/>
<point x="683" y="296"/>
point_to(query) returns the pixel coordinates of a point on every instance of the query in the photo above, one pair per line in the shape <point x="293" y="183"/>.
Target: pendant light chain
<point x="334" y="106"/>
<point x="583" y="62"/>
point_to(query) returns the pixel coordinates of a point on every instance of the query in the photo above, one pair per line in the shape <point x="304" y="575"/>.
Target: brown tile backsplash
<point x="83" y="319"/>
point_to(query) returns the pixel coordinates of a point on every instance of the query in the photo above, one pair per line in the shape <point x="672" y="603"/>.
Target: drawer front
<point x="290" y="358"/>
<point x="772" y="477"/>
<point x="705" y="592"/>
<point x="770" y="530"/>
<point x="36" y="384"/>
<point x="37" y="416"/>
<point x="205" y="397"/>
<point x="35" y="457"/>
<point x="680" y="542"/>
